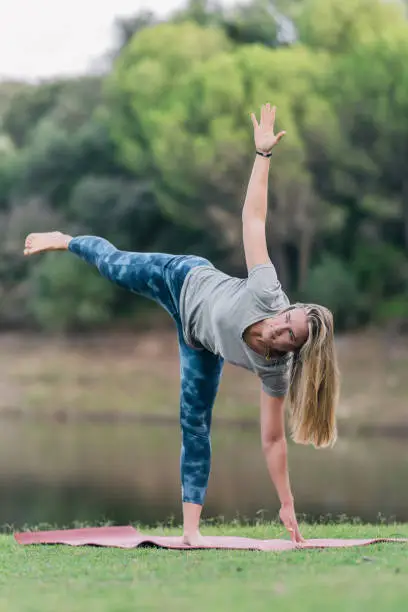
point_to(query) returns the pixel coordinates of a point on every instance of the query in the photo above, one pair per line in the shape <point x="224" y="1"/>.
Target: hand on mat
<point x="264" y="132"/>
<point x="288" y="517"/>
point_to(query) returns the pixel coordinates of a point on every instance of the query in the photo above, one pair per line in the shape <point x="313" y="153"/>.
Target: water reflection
<point x="61" y="473"/>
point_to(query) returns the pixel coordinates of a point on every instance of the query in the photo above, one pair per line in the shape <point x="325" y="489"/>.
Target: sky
<point x="46" y="38"/>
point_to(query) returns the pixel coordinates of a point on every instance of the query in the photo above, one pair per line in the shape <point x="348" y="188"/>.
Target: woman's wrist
<point x="263" y="161"/>
<point x="266" y="154"/>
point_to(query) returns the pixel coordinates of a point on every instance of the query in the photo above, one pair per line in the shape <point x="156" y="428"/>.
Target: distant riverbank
<point x="133" y="376"/>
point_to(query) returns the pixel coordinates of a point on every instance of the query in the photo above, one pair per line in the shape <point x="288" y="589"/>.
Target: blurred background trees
<point x="156" y="154"/>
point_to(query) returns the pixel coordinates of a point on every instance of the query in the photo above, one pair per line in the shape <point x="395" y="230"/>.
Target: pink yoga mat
<point x="128" y="537"/>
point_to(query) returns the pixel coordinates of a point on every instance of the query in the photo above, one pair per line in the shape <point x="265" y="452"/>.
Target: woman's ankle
<point x="191" y="518"/>
<point x="66" y="240"/>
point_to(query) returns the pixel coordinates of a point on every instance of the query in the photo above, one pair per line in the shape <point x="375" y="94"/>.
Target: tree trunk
<point x="305" y="251"/>
<point x="405" y="212"/>
<point x="280" y="262"/>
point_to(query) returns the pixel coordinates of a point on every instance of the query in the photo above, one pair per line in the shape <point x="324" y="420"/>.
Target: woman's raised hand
<point x="264" y="131"/>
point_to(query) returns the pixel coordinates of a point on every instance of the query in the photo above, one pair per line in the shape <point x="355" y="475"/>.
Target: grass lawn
<point x="63" y="579"/>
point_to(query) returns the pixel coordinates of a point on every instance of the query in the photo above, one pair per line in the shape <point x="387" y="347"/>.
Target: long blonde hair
<point x="315" y="381"/>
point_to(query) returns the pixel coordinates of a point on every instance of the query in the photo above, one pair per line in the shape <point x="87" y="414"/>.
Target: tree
<point x="341" y="26"/>
<point x="159" y="159"/>
<point x="254" y="21"/>
<point x="26" y="108"/>
<point x="187" y="128"/>
<point x="127" y="27"/>
<point x="372" y="106"/>
<point x="67" y="295"/>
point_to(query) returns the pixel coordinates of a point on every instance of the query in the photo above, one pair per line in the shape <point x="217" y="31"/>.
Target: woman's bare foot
<point x="195" y="540"/>
<point x="46" y="241"/>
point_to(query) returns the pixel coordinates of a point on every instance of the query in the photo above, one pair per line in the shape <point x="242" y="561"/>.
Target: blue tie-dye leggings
<point x="160" y="277"/>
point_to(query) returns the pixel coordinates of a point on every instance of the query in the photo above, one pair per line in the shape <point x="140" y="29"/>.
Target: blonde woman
<point x="247" y="322"/>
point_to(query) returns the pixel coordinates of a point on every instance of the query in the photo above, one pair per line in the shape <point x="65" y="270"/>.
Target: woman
<point x="248" y="322"/>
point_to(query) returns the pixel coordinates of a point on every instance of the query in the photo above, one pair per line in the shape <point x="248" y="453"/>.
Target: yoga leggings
<point x="160" y="277"/>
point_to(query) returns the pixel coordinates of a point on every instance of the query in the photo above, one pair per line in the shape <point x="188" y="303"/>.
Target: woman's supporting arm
<point x="275" y="451"/>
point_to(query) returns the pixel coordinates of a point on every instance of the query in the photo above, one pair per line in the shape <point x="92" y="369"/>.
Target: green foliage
<point x="393" y="310"/>
<point x="124" y="206"/>
<point x="332" y="283"/>
<point x="68" y="295"/>
<point x="187" y="125"/>
<point x="10" y="172"/>
<point x="27" y="108"/>
<point x="156" y="156"/>
<point x="381" y="271"/>
<point x="340" y="27"/>
<point x="256" y="21"/>
<point x="252" y="22"/>
<point x="127" y="27"/>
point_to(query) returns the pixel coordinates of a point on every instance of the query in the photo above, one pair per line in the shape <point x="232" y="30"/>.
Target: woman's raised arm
<point x="256" y="201"/>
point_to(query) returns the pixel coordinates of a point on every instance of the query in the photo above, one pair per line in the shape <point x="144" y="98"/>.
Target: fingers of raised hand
<point x="263" y="114"/>
<point x="272" y="115"/>
<point x="268" y="113"/>
<point x="267" y="119"/>
<point x="280" y="135"/>
<point x="254" y="120"/>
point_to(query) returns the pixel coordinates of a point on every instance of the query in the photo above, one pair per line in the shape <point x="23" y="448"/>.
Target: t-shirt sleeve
<point x="276" y="383"/>
<point x="264" y="284"/>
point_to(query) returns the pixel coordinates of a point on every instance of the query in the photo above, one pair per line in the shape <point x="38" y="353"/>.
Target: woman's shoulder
<point x="264" y="279"/>
<point x="276" y="376"/>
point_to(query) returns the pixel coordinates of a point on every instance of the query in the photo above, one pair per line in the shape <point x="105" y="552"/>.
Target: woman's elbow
<point x="273" y="441"/>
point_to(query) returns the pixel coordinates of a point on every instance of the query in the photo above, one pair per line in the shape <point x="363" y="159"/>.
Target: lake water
<point x="61" y="473"/>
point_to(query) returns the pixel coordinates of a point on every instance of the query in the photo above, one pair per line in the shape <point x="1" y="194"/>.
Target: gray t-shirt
<point x="216" y="309"/>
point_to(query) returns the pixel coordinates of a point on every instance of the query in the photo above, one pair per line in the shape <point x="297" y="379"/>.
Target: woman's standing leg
<point x="160" y="277"/>
<point x="200" y="374"/>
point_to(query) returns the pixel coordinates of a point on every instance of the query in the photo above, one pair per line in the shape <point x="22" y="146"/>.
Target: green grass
<point x="63" y="579"/>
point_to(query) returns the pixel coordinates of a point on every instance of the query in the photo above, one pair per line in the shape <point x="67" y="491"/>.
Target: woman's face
<point x="287" y="331"/>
